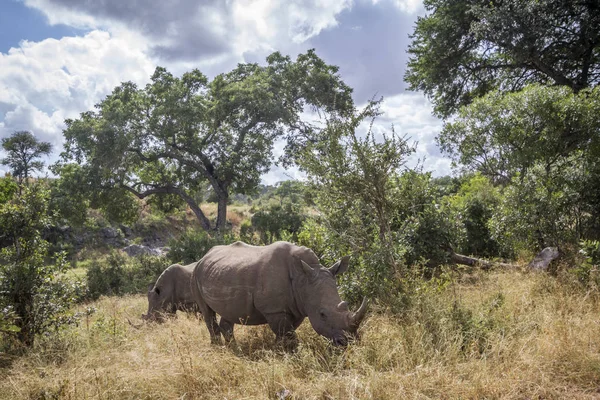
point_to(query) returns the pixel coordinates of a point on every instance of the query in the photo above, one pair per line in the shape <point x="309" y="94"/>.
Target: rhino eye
<point x="157" y="291"/>
<point x="323" y="315"/>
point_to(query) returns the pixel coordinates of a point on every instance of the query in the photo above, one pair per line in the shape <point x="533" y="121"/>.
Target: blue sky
<point x="60" y="57"/>
<point x="19" y="22"/>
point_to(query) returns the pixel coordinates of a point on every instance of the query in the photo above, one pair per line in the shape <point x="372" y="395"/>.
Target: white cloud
<point x="211" y="31"/>
<point x="43" y="83"/>
<point x="406" y="6"/>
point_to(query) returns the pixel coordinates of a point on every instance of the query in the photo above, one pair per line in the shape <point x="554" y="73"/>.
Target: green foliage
<point x="166" y="204"/>
<point x="501" y="135"/>
<point x="542" y="143"/>
<point x="193" y="244"/>
<point x="31" y="296"/>
<point x="463" y="49"/>
<point x="23" y="150"/>
<point x="587" y="272"/>
<point x="118" y="206"/>
<point x="540" y="209"/>
<point x="178" y="133"/>
<point x="120" y="274"/>
<point x="8" y="188"/>
<point x="69" y="195"/>
<point x="273" y="220"/>
<point x="473" y="206"/>
<point x="422" y="224"/>
<point x="387" y="221"/>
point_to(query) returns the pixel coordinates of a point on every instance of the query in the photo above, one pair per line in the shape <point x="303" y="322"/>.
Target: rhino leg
<point x="210" y="317"/>
<point x="284" y="329"/>
<point x="226" y="329"/>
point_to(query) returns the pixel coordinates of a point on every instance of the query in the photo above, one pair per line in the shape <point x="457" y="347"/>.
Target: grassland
<point x="506" y="335"/>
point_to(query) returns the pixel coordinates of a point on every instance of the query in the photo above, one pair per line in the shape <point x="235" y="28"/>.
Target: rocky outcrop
<point x="135" y="250"/>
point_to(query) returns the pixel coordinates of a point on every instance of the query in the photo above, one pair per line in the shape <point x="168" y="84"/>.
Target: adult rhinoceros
<point x="279" y="284"/>
<point x="171" y="292"/>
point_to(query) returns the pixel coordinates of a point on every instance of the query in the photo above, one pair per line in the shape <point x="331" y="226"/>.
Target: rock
<point x="127" y="231"/>
<point x="109" y="233"/>
<point x="544" y="258"/>
<point x="135" y="250"/>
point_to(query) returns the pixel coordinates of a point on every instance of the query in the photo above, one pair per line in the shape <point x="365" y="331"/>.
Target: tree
<point x="543" y="145"/>
<point x="464" y="49"/>
<point x="352" y="176"/>
<point x="31" y="297"/>
<point x="542" y="208"/>
<point x="178" y="133"/>
<point x="473" y="206"/>
<point x="504" y="134"/>
<point x="23" y="151"/>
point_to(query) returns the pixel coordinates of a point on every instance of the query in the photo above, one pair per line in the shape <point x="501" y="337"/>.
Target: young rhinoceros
<point x="171" y="292"/>
<point x="279" y="284"/>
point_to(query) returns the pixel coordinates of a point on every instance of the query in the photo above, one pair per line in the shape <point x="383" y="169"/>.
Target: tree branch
<point x="173" y="190"/>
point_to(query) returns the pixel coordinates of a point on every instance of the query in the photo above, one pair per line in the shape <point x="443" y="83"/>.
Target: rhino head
<point x="317" y="292"/>
<point x="158" y="303"/>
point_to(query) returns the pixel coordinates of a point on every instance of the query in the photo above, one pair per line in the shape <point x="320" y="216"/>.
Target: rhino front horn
<point x="359" y="315"/>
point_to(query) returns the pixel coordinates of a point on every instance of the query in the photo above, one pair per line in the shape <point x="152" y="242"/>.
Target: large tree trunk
<point x="222" y="214"/>
<point x="204" y="222"/>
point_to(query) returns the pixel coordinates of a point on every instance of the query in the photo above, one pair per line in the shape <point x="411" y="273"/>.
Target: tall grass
<point x="498" y="335"/>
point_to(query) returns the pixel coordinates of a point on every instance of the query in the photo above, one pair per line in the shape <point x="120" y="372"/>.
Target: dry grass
<point x="522" y="336"/>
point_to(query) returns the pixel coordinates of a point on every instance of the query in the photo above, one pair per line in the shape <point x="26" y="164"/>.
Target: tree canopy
<point x="464" y="49"/>
<point x="23" y="150"/>
<point x="179" y="132"/>
<point x="501" y="135"/>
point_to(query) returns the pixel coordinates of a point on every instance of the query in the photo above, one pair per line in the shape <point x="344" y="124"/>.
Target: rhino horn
<point x="359" y="315"/>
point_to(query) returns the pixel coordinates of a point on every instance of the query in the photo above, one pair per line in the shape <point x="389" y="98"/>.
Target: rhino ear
<point x="340" y="267"/>
<point x="308" y="270"/>
<point x="150" y="286"/>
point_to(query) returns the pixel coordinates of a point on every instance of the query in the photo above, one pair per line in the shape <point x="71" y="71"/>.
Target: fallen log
<point x="478" y="262"/>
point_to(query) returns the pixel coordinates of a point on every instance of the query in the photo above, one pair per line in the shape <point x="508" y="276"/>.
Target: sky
<point x="60" y="57"/>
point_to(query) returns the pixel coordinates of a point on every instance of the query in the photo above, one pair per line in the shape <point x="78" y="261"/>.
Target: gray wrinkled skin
<point x="171" y="292"/>
<point x="279" y="284"/>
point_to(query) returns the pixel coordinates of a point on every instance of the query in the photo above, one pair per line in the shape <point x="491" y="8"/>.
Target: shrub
<point x="194" y="244"/>
<point x="32" y="299"/>
<point x="277" y="218"/>
<point x="120" y="274"/>
<point x="588" y="271"/>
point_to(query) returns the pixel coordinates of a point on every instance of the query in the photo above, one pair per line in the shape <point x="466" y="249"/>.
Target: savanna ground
<point x="511" y="335"/>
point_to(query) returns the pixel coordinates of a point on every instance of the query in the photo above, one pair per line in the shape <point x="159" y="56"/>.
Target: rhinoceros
<point x="171" y="292"/>
<point x="280" y="285"/>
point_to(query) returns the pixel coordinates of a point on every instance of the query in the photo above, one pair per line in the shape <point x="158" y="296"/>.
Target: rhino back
<point x="243" y="283"/>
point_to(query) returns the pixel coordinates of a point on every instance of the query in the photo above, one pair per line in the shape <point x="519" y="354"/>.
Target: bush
<point x="32" y="299"/>
<point x="8" y="188"/>
<point x="120" y="274"/>
<point x="194" y="244"/>
<point x="588" y="271"/>
<point x="277" y="218"/>
<point x="473" y="206"/>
